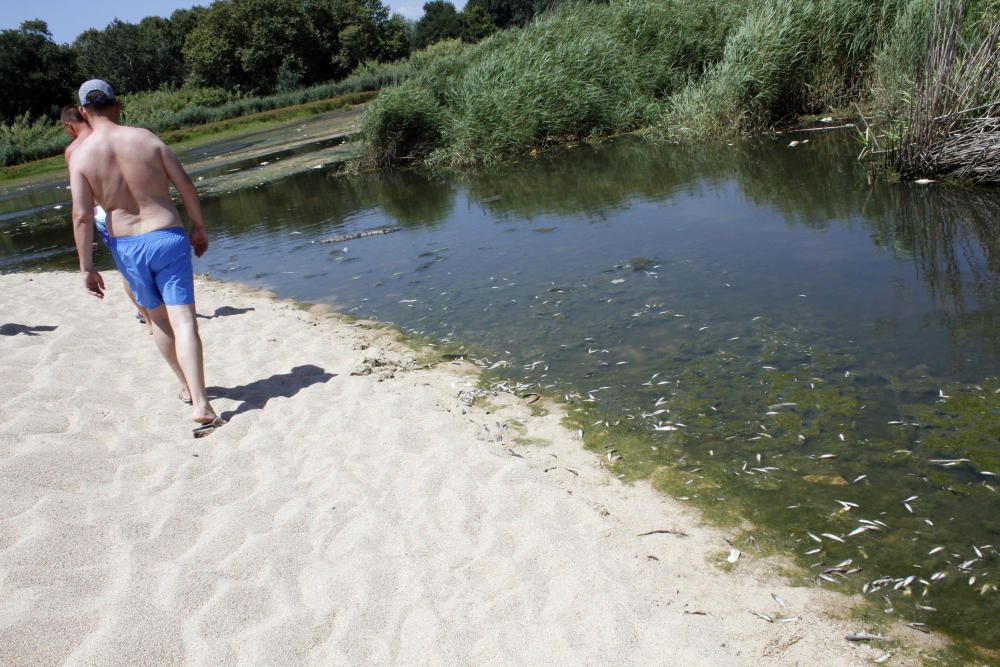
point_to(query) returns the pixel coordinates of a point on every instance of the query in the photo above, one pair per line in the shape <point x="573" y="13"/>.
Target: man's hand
<point x="199" y="240"/>
<point x="93" y="283"/>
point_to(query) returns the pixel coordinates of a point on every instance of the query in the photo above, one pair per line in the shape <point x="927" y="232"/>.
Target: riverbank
<point x="191" y="139"/>
<point x="354" y="509"/>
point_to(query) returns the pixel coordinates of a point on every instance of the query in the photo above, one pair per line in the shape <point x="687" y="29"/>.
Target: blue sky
<point x="68" y="19"/>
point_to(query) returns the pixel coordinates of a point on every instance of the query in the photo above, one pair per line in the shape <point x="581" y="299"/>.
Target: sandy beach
<point x="354" y="511"/>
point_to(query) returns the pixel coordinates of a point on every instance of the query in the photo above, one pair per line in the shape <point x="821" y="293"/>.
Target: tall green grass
<point x="584" y="70"/>
<point x="25" y="140"/>
<point x="785" y="59"/>
<point x="679" y="66"/>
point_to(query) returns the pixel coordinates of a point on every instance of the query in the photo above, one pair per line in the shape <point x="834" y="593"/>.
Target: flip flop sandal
<point x="206" y="429"/>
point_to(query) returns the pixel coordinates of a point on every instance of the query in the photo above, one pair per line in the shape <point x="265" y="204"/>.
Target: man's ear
<point x="83" y="112"/>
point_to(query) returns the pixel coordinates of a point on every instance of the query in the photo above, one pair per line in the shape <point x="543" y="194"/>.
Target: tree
<point x="243" y="43"/>
<point x="477" y="24"/>
<point x="131" y="57"/>
<point x="39" y="75"/>
<point x="261" y="45"/>
<point x="510" y="13"/>
<point x="440" y="21"/>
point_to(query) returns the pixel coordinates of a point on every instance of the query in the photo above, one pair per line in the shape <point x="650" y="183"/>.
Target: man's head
<point x="97" y="98"/>
<point x="73" y="121"/>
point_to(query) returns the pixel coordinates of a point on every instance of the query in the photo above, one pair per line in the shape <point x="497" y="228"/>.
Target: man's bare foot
<point x="204" y="414"/>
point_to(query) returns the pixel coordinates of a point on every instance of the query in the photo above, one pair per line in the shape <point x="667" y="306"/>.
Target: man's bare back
<point x="127" y="170"/>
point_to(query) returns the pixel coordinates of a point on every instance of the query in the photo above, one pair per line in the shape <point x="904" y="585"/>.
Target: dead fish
<point x="776" y="598"/>
<point x="763" y="616"/>
<point x="935" y="550"/>
<point x="833" y="537"/>
<point x="814" y="537"/>
<point x="862" y="637"/>
<point x="827" y="456"/>
<point x="882" y="658"/>
<point x="858" y="479"/>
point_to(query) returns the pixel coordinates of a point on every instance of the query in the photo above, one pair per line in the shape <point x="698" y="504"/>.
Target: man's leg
<point x="163" y="336"/>
<point x="191" y="358"/>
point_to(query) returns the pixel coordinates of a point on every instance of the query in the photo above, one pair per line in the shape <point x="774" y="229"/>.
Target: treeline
<point x="254" y="47"/>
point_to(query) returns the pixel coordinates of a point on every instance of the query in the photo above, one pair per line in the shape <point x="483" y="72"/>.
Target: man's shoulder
<point x="138" y="137"/>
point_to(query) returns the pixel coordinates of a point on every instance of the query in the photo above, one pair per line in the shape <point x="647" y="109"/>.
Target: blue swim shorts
<point x="157" y="267"/>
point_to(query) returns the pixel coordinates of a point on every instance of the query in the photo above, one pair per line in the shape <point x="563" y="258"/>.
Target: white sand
<point x="336" y="519"/>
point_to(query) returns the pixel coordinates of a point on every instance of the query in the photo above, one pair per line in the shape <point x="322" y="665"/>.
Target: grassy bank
<point x="186" y="137"/>
<point x="164" y="111"/>
<point x="679" y="67"/>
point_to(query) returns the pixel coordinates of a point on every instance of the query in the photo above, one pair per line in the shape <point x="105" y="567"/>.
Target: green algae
<point x="782" y="434"/>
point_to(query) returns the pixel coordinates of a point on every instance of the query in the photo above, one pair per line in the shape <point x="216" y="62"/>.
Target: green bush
<point x="402" y="122"/>
<point x="25" y="140"/>
<point x="585" y="69"/>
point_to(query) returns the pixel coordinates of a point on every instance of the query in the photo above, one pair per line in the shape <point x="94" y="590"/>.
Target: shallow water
<point x="759" y="329"/>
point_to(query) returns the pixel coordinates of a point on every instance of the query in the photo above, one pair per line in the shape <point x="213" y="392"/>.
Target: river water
<point x="761" y="330"/>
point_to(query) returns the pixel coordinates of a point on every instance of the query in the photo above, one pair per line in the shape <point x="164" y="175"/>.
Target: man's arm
<point x="83" y="231"/>
<point x="189" y="197"/>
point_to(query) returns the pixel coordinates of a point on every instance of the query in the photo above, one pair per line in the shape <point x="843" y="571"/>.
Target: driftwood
<point x="379" y="231"/>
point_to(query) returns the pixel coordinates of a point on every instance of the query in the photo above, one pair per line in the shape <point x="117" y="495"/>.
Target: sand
<point x="339" y="518"/>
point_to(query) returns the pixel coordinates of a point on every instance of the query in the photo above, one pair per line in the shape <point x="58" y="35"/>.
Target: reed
<point x="951" y="125"/>
<point x="582" y="70"/>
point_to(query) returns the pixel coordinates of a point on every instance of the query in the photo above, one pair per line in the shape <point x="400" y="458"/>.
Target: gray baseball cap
<point x="99" y="86"/>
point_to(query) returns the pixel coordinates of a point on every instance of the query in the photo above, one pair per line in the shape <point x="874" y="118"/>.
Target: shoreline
<point x="354" y="509"/>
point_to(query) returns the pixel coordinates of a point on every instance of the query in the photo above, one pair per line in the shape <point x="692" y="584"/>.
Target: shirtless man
<point x="128" y="171"/>
<point x="78" y="130"/>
